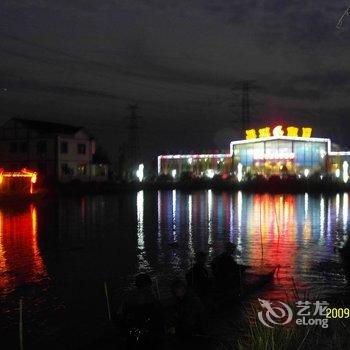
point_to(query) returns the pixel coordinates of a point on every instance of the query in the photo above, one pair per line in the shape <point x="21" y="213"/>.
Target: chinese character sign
<point x="279" y="131"/>
<point x="264" y="132"/>
<point x="250" y="134"/>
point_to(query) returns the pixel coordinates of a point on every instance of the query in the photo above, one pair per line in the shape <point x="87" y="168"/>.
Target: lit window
<point x="81" y="169"/>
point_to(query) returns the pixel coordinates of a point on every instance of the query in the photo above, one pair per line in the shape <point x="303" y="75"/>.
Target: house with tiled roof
<point x="56" y="151"/>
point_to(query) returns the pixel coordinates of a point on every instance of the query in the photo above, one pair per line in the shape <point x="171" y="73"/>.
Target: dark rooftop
<point x="48" y="127"/>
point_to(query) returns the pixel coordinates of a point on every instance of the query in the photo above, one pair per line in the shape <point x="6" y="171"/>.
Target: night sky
<point x="82" y="62"/>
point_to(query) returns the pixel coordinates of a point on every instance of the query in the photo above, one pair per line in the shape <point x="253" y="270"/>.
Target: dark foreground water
<point x="58" y="254"/>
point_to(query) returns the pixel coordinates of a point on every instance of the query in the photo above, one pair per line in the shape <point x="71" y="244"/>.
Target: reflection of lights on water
<point x="174" y="215"/>
<point x="306" y="204"/>
<point x="322" y="218"/>
<point x="2" y="250"/>
<point x="337" y="207"/>
<point x="239" y="218"/>
<point x="329" y="217"/>
<point x="210" y="206"/>
<point x="19" y="249"/>
<point x="190" y="233"/>
<point x="139" y="210"/>
<point x="231" y="219"/>
<point x="345" y="211"/>
<point x="159" y="213"/>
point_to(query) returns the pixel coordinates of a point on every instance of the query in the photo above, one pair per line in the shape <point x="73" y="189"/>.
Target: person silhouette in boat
<point x="225" y="269"/>
<point x="187" y="318"/>
<point x="198" y="277"/>
<point x="140" y="316"/>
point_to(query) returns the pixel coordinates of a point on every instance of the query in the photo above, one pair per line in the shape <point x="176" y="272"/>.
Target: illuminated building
<point x="266" y="151"/>
<point x="55" y="151"/>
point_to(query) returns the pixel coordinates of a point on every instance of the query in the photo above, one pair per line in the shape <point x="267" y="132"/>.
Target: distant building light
<point x="345" y="171"/>
<point x="239" y="172"/>
<point x="173" y="173"/>
<point x="307" y="172"/>
<point x="190" y="161"/>
<point x="140" y="172"/>
<point x="210" y="173"/>
<point x="273" y="156"/>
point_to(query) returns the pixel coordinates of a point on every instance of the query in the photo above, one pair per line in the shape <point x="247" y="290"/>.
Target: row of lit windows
<point x="81" y="169"/>
<point x="306" y="154"/>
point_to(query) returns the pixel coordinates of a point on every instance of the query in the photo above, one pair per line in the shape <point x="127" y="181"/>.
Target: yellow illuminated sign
<point x="250" y="134"/>
<point x="307" y="132"/>
<point x="291" y="131"/>
<point x="264" y="132"/>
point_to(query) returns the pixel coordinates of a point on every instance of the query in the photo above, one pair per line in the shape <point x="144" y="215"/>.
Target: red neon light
<point x="24" y="173"/>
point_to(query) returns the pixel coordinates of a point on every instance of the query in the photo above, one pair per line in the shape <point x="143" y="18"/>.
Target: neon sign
<point x="278" y="131"/>
<point x="24" y="173"/>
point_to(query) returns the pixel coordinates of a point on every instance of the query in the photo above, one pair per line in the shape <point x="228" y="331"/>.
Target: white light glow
<point x="337" y="173"/>
<point x="239" y="172"/>
<point x="345" y="211"/>
<point x="345" y="171"/>
<point x="139" y="172"/>
<point x="210" y="173"/>
<point x="173" y="173"/>
<point x="273" y="156"/>
<point x="322" y="217"/>
<point x="307" y="172"/>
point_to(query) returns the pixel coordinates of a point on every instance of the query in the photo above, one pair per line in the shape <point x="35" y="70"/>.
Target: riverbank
<point x="258" y="185"/>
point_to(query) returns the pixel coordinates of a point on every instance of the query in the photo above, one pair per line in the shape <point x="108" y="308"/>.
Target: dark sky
<point x="83" y="61"/>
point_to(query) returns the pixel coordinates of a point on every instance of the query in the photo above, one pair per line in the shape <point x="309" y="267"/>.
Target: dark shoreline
<point x="275" y="186"/>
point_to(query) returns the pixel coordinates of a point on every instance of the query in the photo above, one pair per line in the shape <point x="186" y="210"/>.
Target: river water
<point x="58" y="255"/>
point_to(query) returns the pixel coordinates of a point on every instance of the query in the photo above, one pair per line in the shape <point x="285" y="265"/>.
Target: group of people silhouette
<point x="147" y="323"/>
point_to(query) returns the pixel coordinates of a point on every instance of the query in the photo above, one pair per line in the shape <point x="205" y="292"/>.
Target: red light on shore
<point x="24" y="173"/>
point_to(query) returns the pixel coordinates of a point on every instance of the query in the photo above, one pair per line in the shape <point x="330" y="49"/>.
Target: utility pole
<point x="245" y="87"/>
<point x="132" y="149"/>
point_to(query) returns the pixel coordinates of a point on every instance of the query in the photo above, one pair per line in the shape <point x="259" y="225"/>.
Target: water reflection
<point x="20" y="257"/>
<point x="107" y="236"/>
<point x="296" y="232"/>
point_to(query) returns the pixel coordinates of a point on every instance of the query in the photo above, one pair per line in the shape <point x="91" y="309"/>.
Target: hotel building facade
<point x="266" y="152"/>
